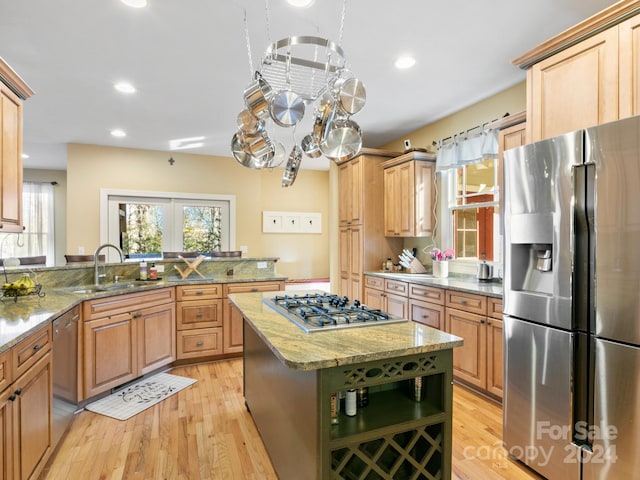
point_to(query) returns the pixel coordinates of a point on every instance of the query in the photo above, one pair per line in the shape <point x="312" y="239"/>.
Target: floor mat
<point x="139" y="396"/>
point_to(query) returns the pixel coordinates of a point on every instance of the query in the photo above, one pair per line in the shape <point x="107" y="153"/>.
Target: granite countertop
<point x="461" y="283"/>
<point x="21" y="318"/>
<point x="299" y="350"/>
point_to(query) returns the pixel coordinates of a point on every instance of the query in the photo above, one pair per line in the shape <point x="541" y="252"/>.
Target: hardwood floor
<point x="205" y="432"/>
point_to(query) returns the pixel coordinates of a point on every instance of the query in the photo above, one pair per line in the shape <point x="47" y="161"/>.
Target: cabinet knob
<point x="488" y="322"/>
<point x="254" y="289"/>
<point x="199" y="292"/>
<point x="137" y="315"/>
<point x="18" y="391"/>
<point x="199" y="344"/>
<point x="37" y="347"/>
<point x="12" y="397"/>
<point x="463" y="302"/>
<point x="481" y="321"/>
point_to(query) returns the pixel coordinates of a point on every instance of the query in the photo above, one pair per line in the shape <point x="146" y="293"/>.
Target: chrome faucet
<point x="96" y="256"/>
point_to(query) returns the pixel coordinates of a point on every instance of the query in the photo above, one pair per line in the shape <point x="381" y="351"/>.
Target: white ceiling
<point x="188" y="60"/>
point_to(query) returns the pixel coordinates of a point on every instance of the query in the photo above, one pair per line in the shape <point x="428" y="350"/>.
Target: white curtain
<point x="474" y="149"/>
<point x="37" y="216"/>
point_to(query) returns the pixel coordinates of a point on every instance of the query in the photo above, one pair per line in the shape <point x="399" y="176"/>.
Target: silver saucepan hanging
<point x="257" y="97"/>
<point x="244" y="157"/>
<point x="342" y="140"/>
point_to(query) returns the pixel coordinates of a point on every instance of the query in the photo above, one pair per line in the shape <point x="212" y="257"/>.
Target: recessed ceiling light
<point x="300" y="3"/>
<point x="124" y="87"/>
<point x="405" y="61"/>
<point x="118" y="133"/>
<point x="135" y="3"/>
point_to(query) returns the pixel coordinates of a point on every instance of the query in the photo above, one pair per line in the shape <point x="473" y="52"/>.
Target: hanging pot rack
<point x="295" y="72"/>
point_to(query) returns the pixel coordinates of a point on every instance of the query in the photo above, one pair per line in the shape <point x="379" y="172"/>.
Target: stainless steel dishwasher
<point x="65" y="371"/>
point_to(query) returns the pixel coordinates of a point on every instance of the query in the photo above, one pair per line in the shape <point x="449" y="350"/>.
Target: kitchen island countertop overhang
<point x="299" y="350"/>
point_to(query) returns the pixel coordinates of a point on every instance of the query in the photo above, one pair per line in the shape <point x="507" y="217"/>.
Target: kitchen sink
<point x="107" y="287"/>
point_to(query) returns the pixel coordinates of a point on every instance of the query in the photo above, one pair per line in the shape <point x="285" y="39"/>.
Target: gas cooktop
<point x="316" y="312"/>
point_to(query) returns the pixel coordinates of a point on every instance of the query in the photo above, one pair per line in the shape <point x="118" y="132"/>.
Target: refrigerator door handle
<point x="582" y="310"/>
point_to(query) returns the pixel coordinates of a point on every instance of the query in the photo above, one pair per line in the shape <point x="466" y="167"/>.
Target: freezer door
<point x="538" y="229"/>
<point x="614" y="148"/>
<point x="614" y="433"/>
<point x="537" y="403"/>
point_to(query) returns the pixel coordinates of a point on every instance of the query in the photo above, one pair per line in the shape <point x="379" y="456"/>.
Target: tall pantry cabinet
<point x="363" y="246"/>
<point x="13" y="91"/>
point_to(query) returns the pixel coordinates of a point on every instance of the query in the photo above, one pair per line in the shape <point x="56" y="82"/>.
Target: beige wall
<point x="302" y="256"/>
<point x="511" y="100"/>
<point x="60" y="205"/>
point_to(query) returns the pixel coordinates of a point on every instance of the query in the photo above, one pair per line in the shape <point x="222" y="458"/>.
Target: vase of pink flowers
<point x="441" y="262"/>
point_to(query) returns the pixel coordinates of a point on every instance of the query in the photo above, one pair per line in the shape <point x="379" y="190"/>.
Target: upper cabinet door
<point x="350" y="192"/>
<point x="575" y="88"/>
<point x="10" y="161"/>
<point x="629" y="58"/>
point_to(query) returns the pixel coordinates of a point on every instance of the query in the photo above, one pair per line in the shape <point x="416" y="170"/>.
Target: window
<point x="144" y="226"/>
<point x="37" y="215"/>
<point x="476" y="201"/>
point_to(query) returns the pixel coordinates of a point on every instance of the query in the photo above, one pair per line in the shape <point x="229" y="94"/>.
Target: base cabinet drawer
<point x="199" y="343"/>
<point x="199" y="314"/>
<point x="430" y="314"/>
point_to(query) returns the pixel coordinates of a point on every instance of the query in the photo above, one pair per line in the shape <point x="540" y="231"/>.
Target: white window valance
<point x="465" y="151"/>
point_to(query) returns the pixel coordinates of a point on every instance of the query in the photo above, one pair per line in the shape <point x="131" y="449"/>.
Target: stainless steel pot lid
<point x="351" y="95"/>
<point x="244" y="158"/>
<point x="293" y="165"/>
<point x="342" y="139"/>
<point x="287" y="108"/>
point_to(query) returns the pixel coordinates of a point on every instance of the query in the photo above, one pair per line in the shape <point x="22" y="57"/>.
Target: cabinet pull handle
<point x="425" y="316"/>
<point x="199" y="344"/>
<point x="488" y="322"/>
<point x="12" y="397"/>
<point x="463" y="302"/>
<point x="137" y="315"/>
<point x="199" y="292"/>
<point x="18" y="391"/>
<point x="37" y="347"/>
<point x="254" y="289"/>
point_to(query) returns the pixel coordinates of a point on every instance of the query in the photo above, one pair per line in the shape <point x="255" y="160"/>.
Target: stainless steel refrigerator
<point x="571" y="406"/>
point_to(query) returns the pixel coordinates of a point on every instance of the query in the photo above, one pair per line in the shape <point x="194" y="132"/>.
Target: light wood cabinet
<point x="478" y="320"/>
<point x="26" y="407"/>
<point x="409" y="195"/>
<point x="629" y="44"/>
<point x="199" y="313"/>
<point x="387" y="295"/>
<point x="233" y="338"/>
<point x="208" y="324"/>
<point x="126" y="336"/>
<point x="12" y="91"/>
<point x="362" y="243"/>
<point x="426" y="305"/>
<point x="350" y="192"/>
<point x="584" y="76"/>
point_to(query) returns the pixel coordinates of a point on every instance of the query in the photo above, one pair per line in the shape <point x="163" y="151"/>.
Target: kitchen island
<point x="290" y="375"/>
